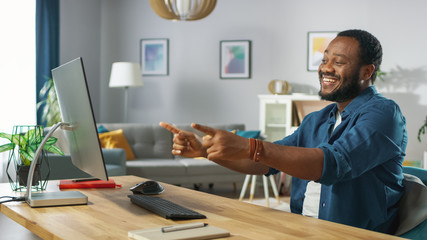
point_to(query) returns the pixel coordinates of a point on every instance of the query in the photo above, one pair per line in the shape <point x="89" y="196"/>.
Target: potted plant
<point x="49" y="105"/>
<point x="25" y="144"/>
<point x="422" y="131"/>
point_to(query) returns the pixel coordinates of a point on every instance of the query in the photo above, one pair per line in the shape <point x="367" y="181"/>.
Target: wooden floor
<point x="12" y="230"/>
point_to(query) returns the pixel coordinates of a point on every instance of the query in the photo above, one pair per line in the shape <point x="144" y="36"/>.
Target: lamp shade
<point x="125" y="74"/>
<point x="184" y="10"/>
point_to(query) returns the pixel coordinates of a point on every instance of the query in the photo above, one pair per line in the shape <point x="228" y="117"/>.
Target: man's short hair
<point x="371" y="51"/>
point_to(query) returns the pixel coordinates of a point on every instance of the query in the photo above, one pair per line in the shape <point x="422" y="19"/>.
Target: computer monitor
<point x="76" y="110"/>
<point x="80" y="131"/>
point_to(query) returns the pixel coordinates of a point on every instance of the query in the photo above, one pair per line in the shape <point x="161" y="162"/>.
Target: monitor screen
<point x="76" y="110"/>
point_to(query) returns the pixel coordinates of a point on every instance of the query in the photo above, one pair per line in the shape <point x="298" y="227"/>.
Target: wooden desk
<point x="110" y="215"/>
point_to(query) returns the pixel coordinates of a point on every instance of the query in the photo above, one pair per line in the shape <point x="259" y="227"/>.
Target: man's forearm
<point x="246" y="166"/>
<point x="304" y="163"/>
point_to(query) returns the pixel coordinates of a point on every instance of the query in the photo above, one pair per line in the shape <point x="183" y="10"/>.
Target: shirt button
<point x="323" y="204"/>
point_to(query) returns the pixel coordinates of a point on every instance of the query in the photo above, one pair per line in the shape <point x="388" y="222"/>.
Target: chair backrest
<point x="418" y="172"/>
<point x="412" y="214"/>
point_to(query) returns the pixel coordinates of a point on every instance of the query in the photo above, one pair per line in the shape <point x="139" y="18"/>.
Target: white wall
<point x="108" y="31"/>
<point x="80" y="36"/>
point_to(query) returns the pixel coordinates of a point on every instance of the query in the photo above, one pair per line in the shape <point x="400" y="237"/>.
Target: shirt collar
<point x="357" y="102"/>
<point x="367" y="94"/>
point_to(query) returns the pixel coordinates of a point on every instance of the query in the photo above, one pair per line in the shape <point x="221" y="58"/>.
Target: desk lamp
<point x="125" y="74"/>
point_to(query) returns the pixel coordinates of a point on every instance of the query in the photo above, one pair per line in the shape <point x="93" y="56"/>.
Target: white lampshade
<point x="125" y="74"/>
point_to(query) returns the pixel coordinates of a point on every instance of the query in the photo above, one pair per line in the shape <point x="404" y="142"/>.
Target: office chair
<point x="413" y="206"/>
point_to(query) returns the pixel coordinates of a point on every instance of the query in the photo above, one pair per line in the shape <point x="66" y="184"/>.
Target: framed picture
<point x="235" y="59"/>
<point x="317" y="42"/>
<point x="154" y="57"/>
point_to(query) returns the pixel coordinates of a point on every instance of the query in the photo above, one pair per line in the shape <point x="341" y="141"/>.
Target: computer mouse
<point x="149" y="187"/>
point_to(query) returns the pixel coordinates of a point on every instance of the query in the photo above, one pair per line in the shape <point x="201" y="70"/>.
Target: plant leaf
<point x="26" y="156"/>
<point x="53" y="148"/>
<point x="19" y="140"/>
<point x="7" y="147"/>
<point x="29" y="134"/>
<point x="6" y="135"/>
<point x="51" y="140"/>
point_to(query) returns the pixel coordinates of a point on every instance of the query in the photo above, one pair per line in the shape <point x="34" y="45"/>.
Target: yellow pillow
<point x="116" y="139"/>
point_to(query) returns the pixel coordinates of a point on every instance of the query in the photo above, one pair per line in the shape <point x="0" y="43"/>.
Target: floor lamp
<point x="125" y="75"/>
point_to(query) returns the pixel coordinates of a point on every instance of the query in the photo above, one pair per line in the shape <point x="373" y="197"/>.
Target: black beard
<point x="346" y="92"/>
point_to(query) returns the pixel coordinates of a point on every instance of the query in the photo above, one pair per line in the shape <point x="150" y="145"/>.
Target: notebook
<point x="66" y="184"/>
<point x="205" y="232"/>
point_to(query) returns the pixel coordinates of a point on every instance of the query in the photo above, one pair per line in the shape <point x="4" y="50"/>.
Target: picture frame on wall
<point x="235" y="59"/>
<point x="154" y="57"/>
<point x="317" y="42"/>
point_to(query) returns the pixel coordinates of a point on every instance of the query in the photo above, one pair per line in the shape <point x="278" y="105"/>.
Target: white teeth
<point x="329" y="80"/>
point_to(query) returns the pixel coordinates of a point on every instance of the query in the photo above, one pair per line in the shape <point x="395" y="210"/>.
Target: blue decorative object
<point x="102" y="129"/>
<point x="249" y="134"/>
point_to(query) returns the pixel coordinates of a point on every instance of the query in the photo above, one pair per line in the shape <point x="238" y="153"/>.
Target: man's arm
<point x="233" y="151"/>
<point x="221" y="146"/>
<point x="187" y="144"/>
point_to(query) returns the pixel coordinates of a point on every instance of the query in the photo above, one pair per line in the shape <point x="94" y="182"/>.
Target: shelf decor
<point x="235" y="59"/>
<point x="24" y="142"/>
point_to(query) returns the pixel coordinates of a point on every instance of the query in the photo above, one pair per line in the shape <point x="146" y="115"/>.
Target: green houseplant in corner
<point x="422" y="131"/>
<point x="23" y="145"/>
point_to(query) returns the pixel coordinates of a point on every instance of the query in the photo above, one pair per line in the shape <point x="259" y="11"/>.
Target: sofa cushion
<point x="249" y="134"/>
<point x="116" y="139"/>
<point x="204" y="167"/>
<point x="146" y="141"/>
<point x="150" y="168"/>
<point x="102" y="129"/>
<point x="187" y="127"/>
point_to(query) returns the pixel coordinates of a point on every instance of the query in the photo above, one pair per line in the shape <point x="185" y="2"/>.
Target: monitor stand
<point x="50" y="199"/>
<point x="46" y="199"/>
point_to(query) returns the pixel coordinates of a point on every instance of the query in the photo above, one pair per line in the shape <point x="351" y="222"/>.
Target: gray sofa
<point x="61" y="167"/>
<point x="152" y="145"/>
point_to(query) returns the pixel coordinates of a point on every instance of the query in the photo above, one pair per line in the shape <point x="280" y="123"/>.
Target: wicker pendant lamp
<point x="183" y="10"/>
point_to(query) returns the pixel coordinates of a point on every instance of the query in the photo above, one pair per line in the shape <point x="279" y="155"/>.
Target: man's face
<point x="339" y="72"/>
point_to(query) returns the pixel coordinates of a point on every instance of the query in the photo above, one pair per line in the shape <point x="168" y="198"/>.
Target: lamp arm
<point x="36" y="157"/>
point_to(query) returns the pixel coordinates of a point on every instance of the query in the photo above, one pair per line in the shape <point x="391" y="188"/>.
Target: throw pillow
<point x="116" y="139"/>
<point x="102" y="129"/>
<point x="249" y="134"/>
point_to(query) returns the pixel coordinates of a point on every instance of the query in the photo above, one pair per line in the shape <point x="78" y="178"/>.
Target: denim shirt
<point x="362" y="169"/>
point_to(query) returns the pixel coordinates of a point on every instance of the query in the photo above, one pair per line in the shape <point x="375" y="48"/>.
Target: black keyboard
<point x="165" y="208"/>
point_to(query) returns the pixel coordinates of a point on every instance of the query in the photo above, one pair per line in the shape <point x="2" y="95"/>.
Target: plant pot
<point x="18" y="165"/>
<point x="22" y="175"/>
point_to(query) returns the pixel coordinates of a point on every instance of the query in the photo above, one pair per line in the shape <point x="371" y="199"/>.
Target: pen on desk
<point x="183" y="227"/>
<point x="85" y="179"/>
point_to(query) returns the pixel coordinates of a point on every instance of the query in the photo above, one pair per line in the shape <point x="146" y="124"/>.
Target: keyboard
<point x="165" y="208"/>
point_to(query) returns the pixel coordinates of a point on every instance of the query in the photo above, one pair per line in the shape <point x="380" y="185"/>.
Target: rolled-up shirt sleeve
<point x="377" y="138"/>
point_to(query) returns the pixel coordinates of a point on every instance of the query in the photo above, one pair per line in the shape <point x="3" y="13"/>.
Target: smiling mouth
<point x="328" y="79"/>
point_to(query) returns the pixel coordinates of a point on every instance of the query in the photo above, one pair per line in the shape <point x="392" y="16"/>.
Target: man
<point x="346" y="159"/>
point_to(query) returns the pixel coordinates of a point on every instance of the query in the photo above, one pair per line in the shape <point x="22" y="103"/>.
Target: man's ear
<point x="367" y="71"/>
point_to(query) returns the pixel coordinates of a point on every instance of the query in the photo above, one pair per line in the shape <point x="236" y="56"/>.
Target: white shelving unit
<point x="276" y="122"/>
<point x="276" y="114"/>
